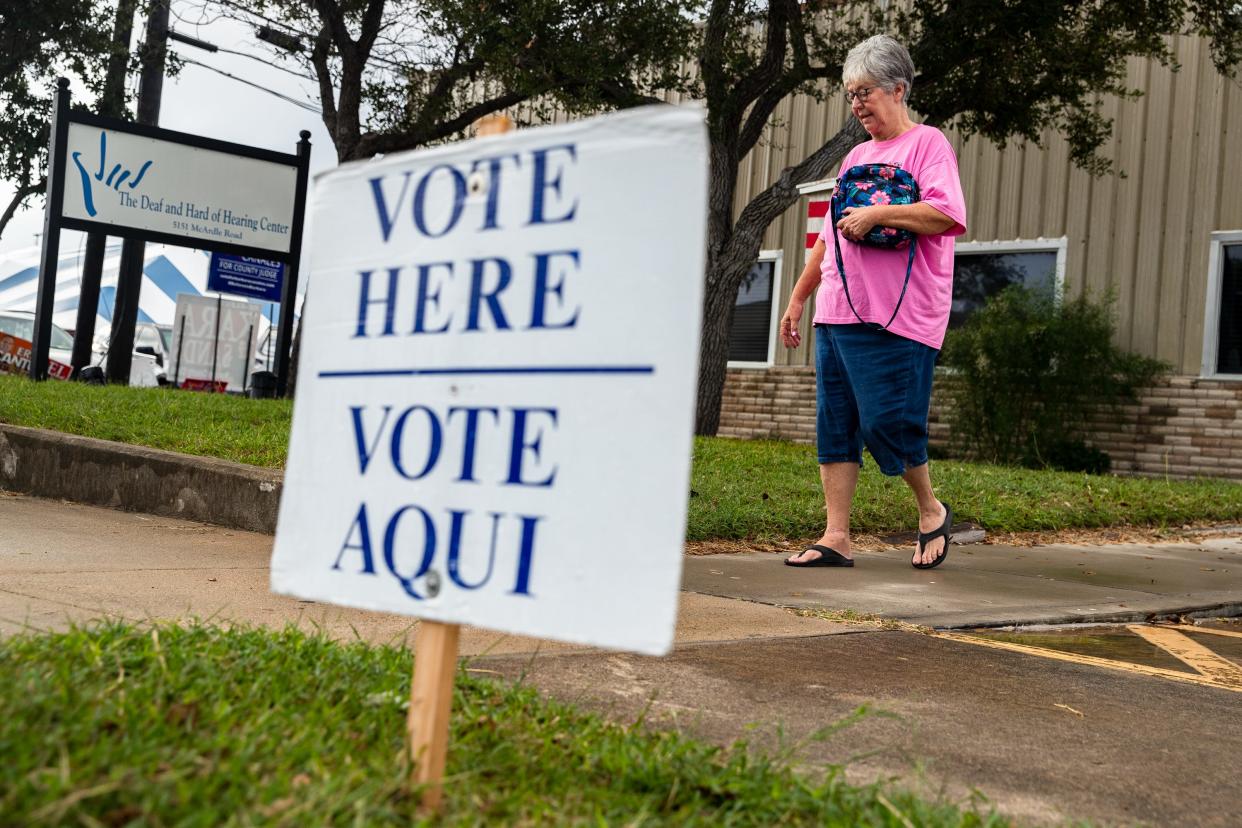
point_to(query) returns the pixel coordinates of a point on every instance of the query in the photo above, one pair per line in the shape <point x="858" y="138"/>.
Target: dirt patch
<point x="1086" y="537"/>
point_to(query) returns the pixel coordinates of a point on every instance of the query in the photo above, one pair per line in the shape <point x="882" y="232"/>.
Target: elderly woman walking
<point x="881" y="311"/>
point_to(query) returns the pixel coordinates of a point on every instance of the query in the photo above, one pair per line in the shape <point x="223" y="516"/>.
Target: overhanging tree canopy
<point x="1001" y="68"/>
<point x="38" y="42"/>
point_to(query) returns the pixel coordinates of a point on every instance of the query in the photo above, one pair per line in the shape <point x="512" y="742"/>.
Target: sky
<point x="203" y="102"/>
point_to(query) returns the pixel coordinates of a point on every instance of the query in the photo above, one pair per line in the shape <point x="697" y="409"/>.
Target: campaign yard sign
<point x="245" y="276"/>
<point x="15" y="359"/>
<point x="213" y="343"/>
<point x="496" y="394"/>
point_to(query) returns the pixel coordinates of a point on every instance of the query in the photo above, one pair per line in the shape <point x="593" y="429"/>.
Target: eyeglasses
<point x="860" y="94"/>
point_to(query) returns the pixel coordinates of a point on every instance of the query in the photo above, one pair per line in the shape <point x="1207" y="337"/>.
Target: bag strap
<point x="836" y="243"/>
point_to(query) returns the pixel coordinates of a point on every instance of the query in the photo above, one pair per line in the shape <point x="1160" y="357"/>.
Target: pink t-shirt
<point x="875" y="275"/>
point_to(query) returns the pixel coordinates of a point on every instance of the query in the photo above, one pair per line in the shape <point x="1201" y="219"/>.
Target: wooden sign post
<point x="431" y="702"/>
<point x="435" y="662"/>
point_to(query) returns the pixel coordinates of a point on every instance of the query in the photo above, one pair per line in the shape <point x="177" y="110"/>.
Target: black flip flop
<point x="827" y="557"/>
<point x="927" y="537"/>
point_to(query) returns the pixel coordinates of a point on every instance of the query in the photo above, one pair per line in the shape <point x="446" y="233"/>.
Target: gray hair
<point x="882" y="59"/>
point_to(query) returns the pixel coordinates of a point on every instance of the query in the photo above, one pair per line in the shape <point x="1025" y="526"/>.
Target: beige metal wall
<point x="1145" y="235"/>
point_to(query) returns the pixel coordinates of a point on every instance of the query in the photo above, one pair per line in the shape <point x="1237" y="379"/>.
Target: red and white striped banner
<point x="816" y="210"/>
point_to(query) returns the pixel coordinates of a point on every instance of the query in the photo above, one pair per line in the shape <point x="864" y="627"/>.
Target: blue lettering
<point x="390" y="548"/>
<point x="454" y="551"/>
<point x="420" y="197"/>
<point x="478" y="295"/>
<point x="525" y="555"/>
<point x="542" y="183"/>
<point x="493" y="186"/>
<point x="386" y="218"/>
<point x="520" y="446"/>
<point x="365" y="302"/>
<point x="365" y="454"/>
<point x="543" y="287"/>
<point x="363" y="545"/>
<point x="471" y="441"/>
<point x="426" y="295"/>
<point x="433" y="448"/>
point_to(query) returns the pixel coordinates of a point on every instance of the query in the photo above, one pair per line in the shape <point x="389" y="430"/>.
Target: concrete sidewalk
<point x="62" y="562"/>
<point x="987" y="586"/>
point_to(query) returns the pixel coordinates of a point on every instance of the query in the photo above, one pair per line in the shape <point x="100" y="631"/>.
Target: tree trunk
<point x="733" y="247"/>
<point x="718" y="307"/>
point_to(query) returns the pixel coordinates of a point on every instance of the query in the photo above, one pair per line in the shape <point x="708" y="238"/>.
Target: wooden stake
<point x="431" y="701"/>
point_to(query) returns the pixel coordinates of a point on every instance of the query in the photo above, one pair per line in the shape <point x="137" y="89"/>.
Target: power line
<point x="310" y="37"/>
<point x="273" y="92"/>
<point x="284" y="69"/>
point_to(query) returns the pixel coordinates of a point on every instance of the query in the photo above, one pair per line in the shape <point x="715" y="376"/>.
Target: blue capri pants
<point x="872" y="387"/>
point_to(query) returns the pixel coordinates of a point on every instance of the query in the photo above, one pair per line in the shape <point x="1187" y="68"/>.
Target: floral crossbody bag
<point x="869" y="185"/>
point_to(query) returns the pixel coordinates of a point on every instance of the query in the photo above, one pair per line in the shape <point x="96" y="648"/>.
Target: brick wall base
<point x="1180" y="427"/>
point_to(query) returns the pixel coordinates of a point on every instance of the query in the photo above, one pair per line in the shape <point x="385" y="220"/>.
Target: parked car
<point x="20" y="325"/>
<point x="155" y="341"/>
<point x="143" y="371"/>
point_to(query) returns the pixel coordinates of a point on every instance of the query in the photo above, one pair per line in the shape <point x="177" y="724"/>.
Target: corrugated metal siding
<point x="1145" y="235"/>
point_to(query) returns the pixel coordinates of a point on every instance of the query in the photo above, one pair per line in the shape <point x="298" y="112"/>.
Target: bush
<point x="1030" y="372"/>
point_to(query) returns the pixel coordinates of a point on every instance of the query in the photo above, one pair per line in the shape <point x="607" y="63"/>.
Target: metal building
<point x="1165" y="235"/>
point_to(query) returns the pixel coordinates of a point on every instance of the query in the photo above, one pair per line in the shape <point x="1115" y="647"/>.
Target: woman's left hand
<point x="856" y="222"/>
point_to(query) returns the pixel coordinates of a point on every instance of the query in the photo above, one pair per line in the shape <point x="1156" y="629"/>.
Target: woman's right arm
<point x="802" y="291"/>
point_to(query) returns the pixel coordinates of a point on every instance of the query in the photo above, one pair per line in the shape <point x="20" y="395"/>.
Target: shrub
<point x="1030" y="372"/>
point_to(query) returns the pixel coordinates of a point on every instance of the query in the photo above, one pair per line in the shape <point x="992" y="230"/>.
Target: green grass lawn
<point x="165" y="725"/>
<point x="766" y="491"/>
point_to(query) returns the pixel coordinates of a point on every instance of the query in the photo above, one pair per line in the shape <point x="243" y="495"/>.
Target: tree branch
<point x="711" y="61"/>
<point x="353" y="63"/>
<point x="24" y="191"/>
<point x="757" y="118"/>
<point x="333" y="18"/>
<point x="764" y="208"/>
<point x="376" y="142"/>
<point x="327" y="94"/>
<point x="771" y="67"/>
<point x="438" y="97"/>
<point x="372" y="22"/>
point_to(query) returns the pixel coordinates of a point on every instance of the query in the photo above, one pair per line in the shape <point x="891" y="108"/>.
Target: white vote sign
<point x="496" y="394"/>
<point x="159" y="186"/>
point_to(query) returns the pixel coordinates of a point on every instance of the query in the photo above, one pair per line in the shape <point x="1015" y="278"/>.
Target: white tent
<point x="167" y="272"/>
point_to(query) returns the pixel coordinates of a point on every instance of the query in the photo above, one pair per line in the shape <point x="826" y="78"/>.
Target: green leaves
<point x="1030" y="372"/>
<point x="38" y="42"/>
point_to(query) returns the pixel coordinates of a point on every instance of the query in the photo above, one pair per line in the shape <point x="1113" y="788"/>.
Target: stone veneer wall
<point x="1181" y="427"/>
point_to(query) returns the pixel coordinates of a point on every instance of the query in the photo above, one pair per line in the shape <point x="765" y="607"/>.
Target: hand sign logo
<point x="118" y="176"/>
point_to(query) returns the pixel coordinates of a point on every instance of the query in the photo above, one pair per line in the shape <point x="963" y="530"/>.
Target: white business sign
<point x="207" y="350"/>
<point x="496" y="395"/>
<point x="159" y="186"/>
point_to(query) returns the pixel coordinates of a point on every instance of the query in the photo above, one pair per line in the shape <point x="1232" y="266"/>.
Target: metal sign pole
<point x="246" y="364"/>
<point x="51" y="233"/>
<point x="180" y="345"/>
<point x="289" y="290"/>
<point x="215" y="345"/>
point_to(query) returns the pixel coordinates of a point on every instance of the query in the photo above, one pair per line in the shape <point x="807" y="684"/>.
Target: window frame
<point x="1220" y="239"/>
<point x="777" y="256"/>
<point x="1060" y="246"/>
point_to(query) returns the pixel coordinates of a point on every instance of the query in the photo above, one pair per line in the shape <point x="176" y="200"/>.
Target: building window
<point x="1222" y="331"/>
<point x="752" y="338"/>
<point x="983" y="269"/>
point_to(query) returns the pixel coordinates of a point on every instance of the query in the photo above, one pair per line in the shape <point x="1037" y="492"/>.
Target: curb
<point x="62" y="466"/>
